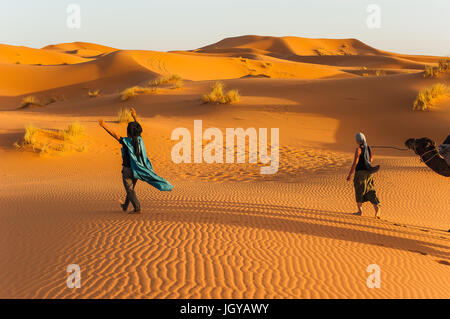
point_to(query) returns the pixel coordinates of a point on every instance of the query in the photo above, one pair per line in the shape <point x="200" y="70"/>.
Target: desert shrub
<point x="30" y="135"/>
<point x="233" y="96"/>
<point x="55" y="98"/>
<point x="124" y="116"/>
<point x="94" y="93"/>
<point x="217" y="95"/>
<point x="73" y="130"/>
<point x="129" y="93"/>
<point x="134" y="91"/>
<point x="51" y="100"/>
<point x="427" y="97"/>
<point x="48" y="141"/>
<point x="178" y="85"/>
<point x="434" y="71"/>
<point x="444" y="65"/>
<point x="174" y="79"/>
<point x="29" y="100"/>
<point x="430" y="72"/>
<point x="45" y="149"/>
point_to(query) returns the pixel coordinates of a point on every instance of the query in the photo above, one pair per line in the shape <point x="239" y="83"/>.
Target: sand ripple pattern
<point x="225" y="240"/>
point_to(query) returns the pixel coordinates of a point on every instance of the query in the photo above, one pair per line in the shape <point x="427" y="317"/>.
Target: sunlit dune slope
<point x="10" y="54"/>
<point x="155" y="64"/>
<point x="292" y="45"/>
<point x="22" y="79"/>
<point x="26" y="70"/>
<point x="338" y="52"/>
<point x="83" y="49"/>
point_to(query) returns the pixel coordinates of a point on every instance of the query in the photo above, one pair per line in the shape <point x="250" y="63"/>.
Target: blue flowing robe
<point x="142" y="167"/>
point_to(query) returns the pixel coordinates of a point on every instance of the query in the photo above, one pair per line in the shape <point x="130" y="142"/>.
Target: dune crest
<point x="82" y="49"/>
<point x="231" y="58"/>
<point x="285" y="46"/>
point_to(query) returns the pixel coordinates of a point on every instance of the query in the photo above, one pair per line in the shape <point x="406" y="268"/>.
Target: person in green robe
<point x="135" y="164"/>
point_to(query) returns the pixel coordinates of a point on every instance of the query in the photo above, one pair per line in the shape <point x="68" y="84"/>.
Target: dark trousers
<point x="129" y="182"/>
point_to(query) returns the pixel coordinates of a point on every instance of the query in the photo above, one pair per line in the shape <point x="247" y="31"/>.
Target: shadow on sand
<point x="302" y="221"/>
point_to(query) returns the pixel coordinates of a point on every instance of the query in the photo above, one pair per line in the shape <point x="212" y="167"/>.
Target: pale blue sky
<point x="407" y="26"/>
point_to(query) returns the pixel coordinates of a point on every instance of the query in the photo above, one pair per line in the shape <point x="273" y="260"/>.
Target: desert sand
<point x="225" y="231"/>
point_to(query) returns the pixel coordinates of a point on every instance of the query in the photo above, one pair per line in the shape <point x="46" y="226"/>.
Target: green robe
<point x="142" y="167"/>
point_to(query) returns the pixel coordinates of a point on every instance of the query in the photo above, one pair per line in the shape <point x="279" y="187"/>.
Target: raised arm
<point x="133" y="114"/>
<point x="355" y="162"/>
<point x="110" y="132"/>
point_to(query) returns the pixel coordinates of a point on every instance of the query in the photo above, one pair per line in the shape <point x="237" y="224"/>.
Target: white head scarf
<point x="361" y="139"/>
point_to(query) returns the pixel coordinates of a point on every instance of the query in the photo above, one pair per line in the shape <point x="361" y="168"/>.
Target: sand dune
<point x="83" y="49"/>
<point x="10" y="54"/>
<point x="225" y="231"/>
<point x="155" y="64"/>
<point x="286" y="46"/>
<point x="214" y="238"/>
<point x="45" y="78"/>
<point x="254" y="56"/>
<point x="336" y="52"/>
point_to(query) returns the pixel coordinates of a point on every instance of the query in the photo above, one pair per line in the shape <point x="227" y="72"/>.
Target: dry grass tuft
<point x="124" y="116"/>
<point x="135" y="91"/>
<point x="94" y="93"/>
<point x="30" y="135"/>
<point x="434" y="71"/>
<point x="218" y="96"/>
<point x="428" y="97"/>
<point x="51" y="100"/>
<point x="54" y="99"/>
<point x="47" y="141"/>
<point x="29" y="100"/>
<point x="73" y="131"/>
<point x="175" y="80"/>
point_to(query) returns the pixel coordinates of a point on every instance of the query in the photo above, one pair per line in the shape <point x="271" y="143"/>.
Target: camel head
<point x="420" y="145"/>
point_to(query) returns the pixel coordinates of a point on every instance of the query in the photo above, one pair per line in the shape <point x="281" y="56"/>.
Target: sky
<point x="406" y="26"/>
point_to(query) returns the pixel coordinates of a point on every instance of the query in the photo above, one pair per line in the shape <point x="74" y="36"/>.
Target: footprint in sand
<point x="443" y="262"/>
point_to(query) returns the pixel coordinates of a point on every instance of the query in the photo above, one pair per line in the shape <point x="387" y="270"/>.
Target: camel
<point x="426" y="149"/>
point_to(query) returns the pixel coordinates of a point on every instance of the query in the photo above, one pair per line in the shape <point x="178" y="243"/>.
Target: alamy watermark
<point x="374" y="279"/>
<point x="213" y="152"/>
<point x="73" y="20"/>
<point x="74" y="278"/>
<point x="373" y="21"/>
